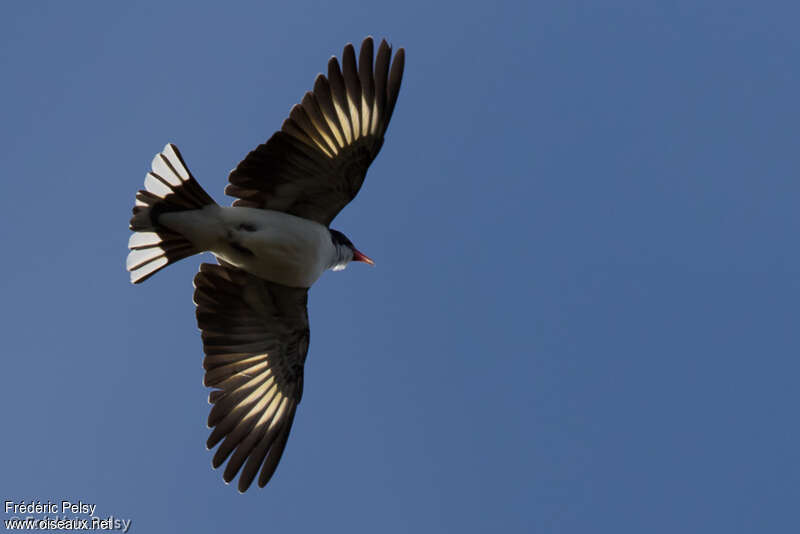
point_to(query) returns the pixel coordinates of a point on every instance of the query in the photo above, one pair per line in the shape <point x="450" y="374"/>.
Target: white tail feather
<point x="155" y="185"/>
<point x="138" y="257"/>
<point x="169" y="187"/>
<point x="143" y="239"/>
<point x="140" y="273"/>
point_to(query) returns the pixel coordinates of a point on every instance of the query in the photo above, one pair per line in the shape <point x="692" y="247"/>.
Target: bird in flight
<point x="271" y="245"/>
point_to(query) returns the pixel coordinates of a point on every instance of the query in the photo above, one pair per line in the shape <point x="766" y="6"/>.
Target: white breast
<point x="272" y="245"/>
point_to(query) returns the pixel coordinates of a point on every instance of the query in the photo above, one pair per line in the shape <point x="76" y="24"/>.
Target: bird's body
<point x="271" y="246"/>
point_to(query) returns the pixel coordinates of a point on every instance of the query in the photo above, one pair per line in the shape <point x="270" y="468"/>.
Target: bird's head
<point x="346" y="252"/>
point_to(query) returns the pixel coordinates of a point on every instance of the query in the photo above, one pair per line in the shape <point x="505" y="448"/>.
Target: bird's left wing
<point x="255" y="338"/>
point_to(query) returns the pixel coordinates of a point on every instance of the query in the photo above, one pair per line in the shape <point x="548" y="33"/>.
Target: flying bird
<point x="271" y="245"/>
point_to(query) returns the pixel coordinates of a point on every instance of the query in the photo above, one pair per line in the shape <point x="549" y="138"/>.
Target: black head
<point x="339" y="238"/>
<point x="340" y="241"/>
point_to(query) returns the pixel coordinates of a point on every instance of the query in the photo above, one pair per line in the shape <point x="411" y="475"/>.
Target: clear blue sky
<point x="584" y="314"/>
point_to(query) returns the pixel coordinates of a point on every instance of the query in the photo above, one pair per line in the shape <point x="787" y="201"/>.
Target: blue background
<point x="584" y="312"/>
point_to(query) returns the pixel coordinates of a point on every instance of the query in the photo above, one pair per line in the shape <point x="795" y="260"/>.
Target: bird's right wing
<point x="255" y="337"/>
<point x="315" y="164"/>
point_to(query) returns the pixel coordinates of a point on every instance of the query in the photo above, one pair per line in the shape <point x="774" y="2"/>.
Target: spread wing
<point x="317" y="162"/>
<point x="255" y="337"/>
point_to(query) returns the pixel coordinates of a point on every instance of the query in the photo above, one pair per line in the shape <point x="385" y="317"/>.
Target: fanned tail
<point x="169" y="187"/>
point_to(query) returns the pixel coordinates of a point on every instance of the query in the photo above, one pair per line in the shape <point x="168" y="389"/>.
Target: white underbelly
<point x="272" y="245"/>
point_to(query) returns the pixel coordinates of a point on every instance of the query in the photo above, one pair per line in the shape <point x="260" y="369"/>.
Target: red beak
<point x="360" y="256"/>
